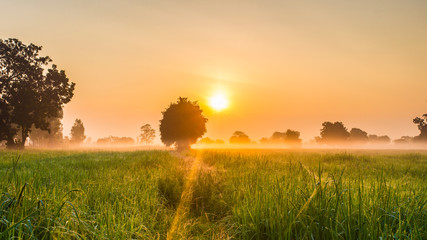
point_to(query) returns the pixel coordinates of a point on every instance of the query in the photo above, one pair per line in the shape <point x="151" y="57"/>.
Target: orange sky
<point x="283" y="64"/>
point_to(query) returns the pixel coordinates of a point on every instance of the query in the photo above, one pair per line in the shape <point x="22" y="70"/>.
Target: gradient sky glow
<point x="283" y="64"/>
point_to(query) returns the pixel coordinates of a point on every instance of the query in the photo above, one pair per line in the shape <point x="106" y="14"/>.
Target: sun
<point x="218" y="102"/>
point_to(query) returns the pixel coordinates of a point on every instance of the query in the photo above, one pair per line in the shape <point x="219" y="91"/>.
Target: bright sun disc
<point x="218" y="102"/>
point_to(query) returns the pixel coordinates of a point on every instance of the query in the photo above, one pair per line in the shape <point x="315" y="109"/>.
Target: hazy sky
<point x="283" y="64"/>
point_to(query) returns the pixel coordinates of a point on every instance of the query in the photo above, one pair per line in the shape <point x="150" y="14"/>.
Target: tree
<point x="333" y="133"/>
<point x="206" y="140"/>
<point x="358" y="136"/>
<point x="404" y="140"/>
<point x="51" y="137"/>
<point x="182" y="124"/>
<point x="30" y="95"/>
<point x="278" y="137"/>
<point x="77" y="132"/>
<point x="147" y="134"/>
<point x="240" y="138"/>
<point x="372" y="138"/>
<point x="422" y="126"/>
<point x="292" y="137"/>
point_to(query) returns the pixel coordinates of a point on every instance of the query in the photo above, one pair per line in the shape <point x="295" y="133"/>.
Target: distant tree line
<point x="337" y="134"/>
<point x="112" y="140"/>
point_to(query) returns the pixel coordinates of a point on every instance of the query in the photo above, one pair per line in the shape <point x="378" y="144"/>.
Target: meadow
<point x="213" y="194"/>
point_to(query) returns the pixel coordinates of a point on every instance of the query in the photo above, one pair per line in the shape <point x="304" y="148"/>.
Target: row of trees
<point x="337" y="134"/>
<point x="290" y="137"/>
<point x="54" y="138"/>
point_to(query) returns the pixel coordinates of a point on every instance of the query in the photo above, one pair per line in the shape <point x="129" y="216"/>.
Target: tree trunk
<point x="10" y="142"/>
<point x="24" y="135"/>
<point x="183" y="145"/>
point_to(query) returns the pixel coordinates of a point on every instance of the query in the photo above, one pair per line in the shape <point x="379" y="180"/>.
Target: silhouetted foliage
<point x="358" y="136"/>
<point x="333" y="133"/>
<point x="113" y="140"/>
<point x="182" y="124"/>
<point x="278" y="137"/>
<point x="239" y="137"/>
<point x="47" y="138"/>
<point x="147" y="134"/>
<point x="77" y="132"/>
<point x="290" y="137"/>
<point x="422" y="126"/>
<point x="379" y="139"/>
<point x="206" y="140"/>
<point x="29" y="94"/>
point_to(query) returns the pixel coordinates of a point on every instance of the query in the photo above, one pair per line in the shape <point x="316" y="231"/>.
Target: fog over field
<point x="225" y="119"/>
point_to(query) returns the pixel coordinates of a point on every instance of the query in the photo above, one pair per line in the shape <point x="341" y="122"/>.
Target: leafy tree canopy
<point x="290" y="137"/>
<point x="240" y="138"/>
<point x="422" y="126"/>
<point x="379" y="139"/>
<point x="333" y="133"/>
<point x="147" y="134"/>
<point x="182" y="124"/>
<point x="77" y="132"/>
<point x="29" y="94"/>
<point x="206" y="140"/>
<point x="358" y="136"/>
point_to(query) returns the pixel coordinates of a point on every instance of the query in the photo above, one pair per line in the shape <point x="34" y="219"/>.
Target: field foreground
<point x="213" y="194"/>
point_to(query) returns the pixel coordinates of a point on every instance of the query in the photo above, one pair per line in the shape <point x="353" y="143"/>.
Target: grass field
<point x="208" y="194"/>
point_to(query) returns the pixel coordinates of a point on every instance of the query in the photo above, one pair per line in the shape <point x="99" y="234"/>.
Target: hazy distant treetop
<point x="147" y="134"/>
<point x="278" y="137"/>
<point x="240" y="138"/>
<point x="404" y="140"/>
<point x="378" y="139"/>
<point x="358" y="136"/>
<point x="182" y="124"/>
<point x="292" y="137"/>
<point x="77" y="132"/>
<point x="289" y="137"/>
<point x="333" y="133"/>
<point x="29" y="94"/>
<point x="206" y="140"/>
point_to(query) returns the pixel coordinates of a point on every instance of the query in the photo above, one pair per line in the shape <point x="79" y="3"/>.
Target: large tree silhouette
<point x="333" y="133"/>
<point x="30" y="95"/>
<point x="182" y="124"/>
<point x="422" y="126"/>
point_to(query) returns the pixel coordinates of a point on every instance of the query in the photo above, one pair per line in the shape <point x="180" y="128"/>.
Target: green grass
<point x="252" y="194"/>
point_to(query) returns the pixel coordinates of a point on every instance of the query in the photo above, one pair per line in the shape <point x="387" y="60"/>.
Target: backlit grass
<point x="252" y="194"/>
